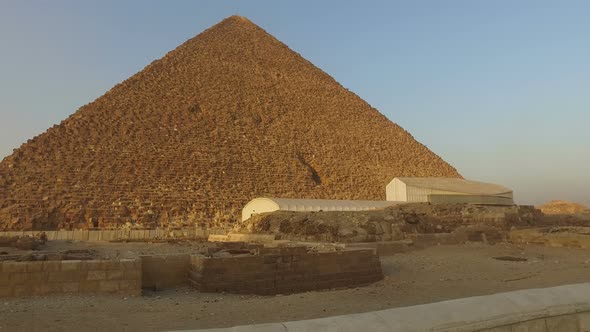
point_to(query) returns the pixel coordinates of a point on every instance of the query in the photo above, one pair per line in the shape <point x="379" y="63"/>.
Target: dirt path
<point x="430" y="275"/>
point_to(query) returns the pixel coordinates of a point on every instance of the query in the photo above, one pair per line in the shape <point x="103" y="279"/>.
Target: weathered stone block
<point x="584" y="321"/>
<point x="18" y="278"/>
<point x="5" y="291"/>
<point x="562" y="323"/>
<point x="94" y="265"/>
<point x="94" y="236"/>
<point x="34" y="266"/>
<point x="91" y="286"/>
<point x="537" y="325"/>
<point x="63" y="276"/>
<point x="132" y="274"/>
<point x="129" y="264"/>
<point x="108" y="286"/>
<point x="114" y="275"/>
<point x="51" y="266"/>
<point x="47" y="288"/>
<point x="72" y="265"/>
<point x="21" y="290"/>
<point x="12" y="267"/>
<point x="96" y="275"/>
<point x="70" y="287"/>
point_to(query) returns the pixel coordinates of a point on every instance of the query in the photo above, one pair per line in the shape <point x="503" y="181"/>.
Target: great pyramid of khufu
<point x="229" y="115"/>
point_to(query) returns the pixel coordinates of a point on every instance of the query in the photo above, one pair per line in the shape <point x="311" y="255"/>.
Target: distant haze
<point x="498" y="89"/>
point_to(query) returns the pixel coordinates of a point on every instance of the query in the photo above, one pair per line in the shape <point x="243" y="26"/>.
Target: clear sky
<point x="500" y="89"/>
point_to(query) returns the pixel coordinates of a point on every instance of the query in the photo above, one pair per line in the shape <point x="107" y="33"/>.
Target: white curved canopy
<point x="267" y="204"/>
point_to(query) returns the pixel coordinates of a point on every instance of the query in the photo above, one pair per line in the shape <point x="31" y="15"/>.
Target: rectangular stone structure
<point x="285" y="271"/>
<point x="121" y="277"/>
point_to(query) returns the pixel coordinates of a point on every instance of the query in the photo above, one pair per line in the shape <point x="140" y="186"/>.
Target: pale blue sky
<point x="500" y="89"/>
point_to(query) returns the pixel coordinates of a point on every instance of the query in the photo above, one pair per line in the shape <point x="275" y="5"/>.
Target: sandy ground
<point x="430" y="275"/>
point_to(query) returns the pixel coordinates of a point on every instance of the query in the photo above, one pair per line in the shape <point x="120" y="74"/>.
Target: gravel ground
<point x="429" y="275"/>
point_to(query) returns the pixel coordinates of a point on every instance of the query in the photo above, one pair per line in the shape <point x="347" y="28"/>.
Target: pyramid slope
<point x="229" y="115"/>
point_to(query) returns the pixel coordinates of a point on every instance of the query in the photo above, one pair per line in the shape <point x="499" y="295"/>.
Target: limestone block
<point x="47" y="288"/>
<point x="4" y="278"/>
<point x="70" y="287"/>
<point x="132" y="275"/>
<point x="217" y="238"/>
<point x="80" y="235"/>
<point x="129" y="264"/>
<point x="5" y="291"/>
<point x="51" y="235"/>
<point x="14" y="267"/>
<point x="107" y="235"/>
<point x="34" y="266"/>
<point x="562" y="323"/>
<point x="114" y="275"/>
<point x="108" y="286"/>
<point x="18" y="278"/>
<point x="537" y="325"/>
<point x="50" y="266"/>
<point x="94" y="265"/>
<point x="22" y="290"/>
<point x="96" y="275"/>
<point x="584" y="321"/>
<point x="91" y="286"/>
<point x="110" y="265"/>
<point x="64" y="276"/>
<point x="72" y="265"/>
<point x="94" y="236"/>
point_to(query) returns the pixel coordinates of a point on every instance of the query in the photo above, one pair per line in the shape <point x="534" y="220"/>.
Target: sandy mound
<point x="563" y="207"/>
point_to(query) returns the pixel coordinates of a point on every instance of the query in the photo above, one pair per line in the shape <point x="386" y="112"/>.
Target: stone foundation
<point x="284" y="271"/>
<point x="122" y="277"/>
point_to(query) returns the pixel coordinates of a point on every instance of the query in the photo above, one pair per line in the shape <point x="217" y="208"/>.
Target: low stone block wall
<point x="164" y="271"/>
<point x="567" y="237"/>
<point x="236" y="237"/>
<point x="119" y="234"/>
<point x="71" y="276"/>
<point x="284" y="271"/>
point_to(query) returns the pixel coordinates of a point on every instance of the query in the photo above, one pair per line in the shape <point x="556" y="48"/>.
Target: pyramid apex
<point x="238" y="18"/>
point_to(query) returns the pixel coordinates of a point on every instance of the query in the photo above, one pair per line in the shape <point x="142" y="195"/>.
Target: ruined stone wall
<point x="120" y="234"/>
<point x="390" y="224"/>
<point x="566" y="237"/>
<point x="72" y="276"/>
<point x="285" y="270"/>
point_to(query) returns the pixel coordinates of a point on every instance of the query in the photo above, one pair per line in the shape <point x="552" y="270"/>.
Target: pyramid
<point x="229" y="115"/>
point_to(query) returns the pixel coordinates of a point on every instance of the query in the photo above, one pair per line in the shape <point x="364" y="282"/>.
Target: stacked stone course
<point x="71" y="276"/>
<point x="284" y="271"/>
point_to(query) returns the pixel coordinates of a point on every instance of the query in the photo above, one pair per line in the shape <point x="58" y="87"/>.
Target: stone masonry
<point x="121" y="277"/>
<point x="285" y="270"/>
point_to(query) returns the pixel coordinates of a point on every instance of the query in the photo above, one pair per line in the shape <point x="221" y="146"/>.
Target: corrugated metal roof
<point x="457" y="185"/>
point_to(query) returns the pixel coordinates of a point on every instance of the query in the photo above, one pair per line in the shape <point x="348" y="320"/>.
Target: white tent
<point x="447" y="190"/>
<point x="265" y="204"/>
